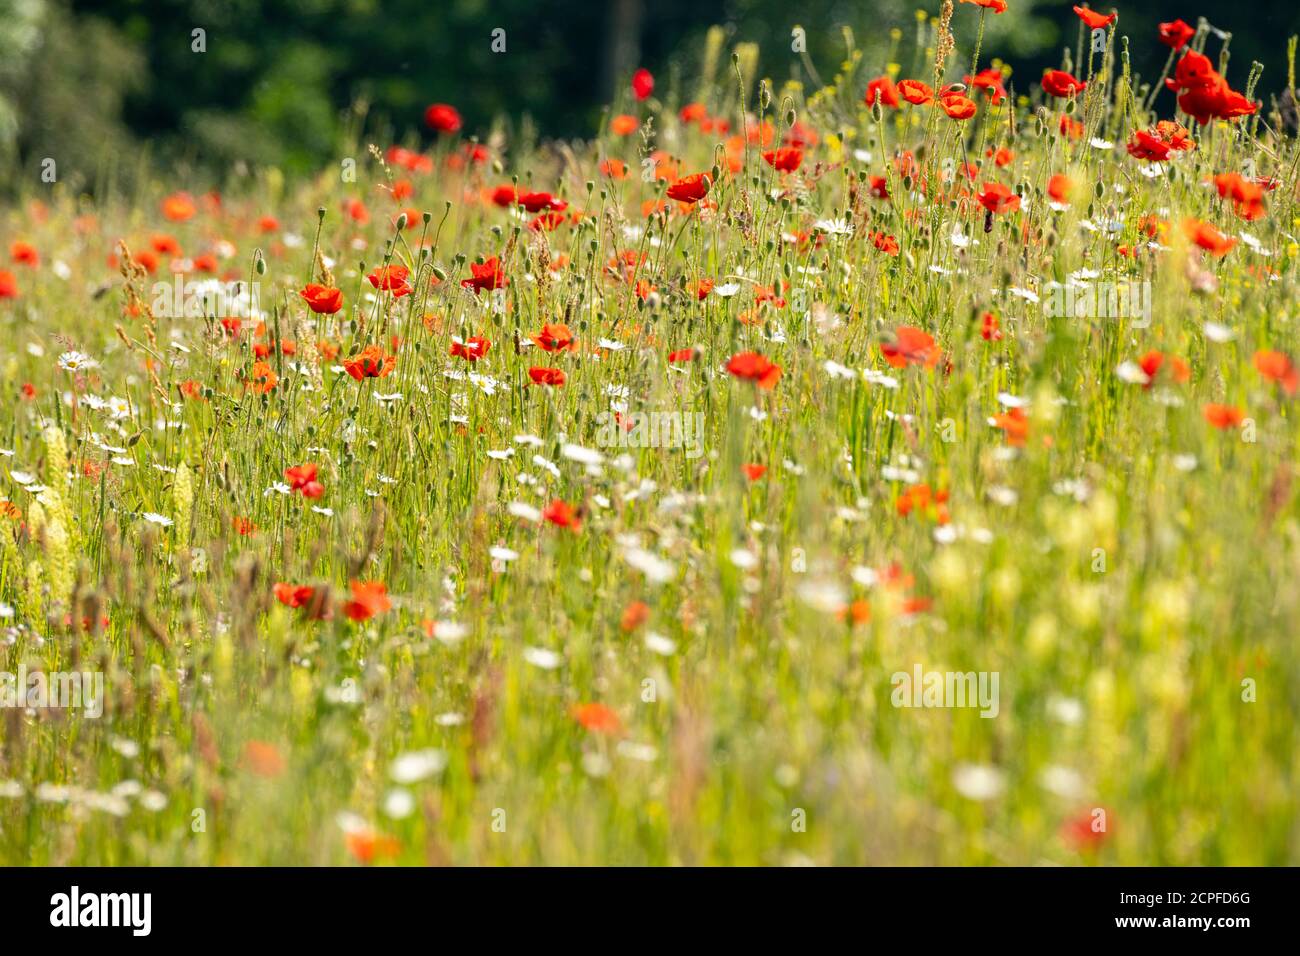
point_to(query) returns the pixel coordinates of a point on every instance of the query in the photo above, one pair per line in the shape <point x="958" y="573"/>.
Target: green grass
<point x="1124" y="570"/>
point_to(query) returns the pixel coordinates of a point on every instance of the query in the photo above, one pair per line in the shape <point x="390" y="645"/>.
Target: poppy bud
<point x="259" y="264"/>
<point x="876" y="113"/>
<point x="428" y="218"/>
<point x="401" y="221"/>
<point x="439" y="274"/>
<point x="715" y="173"/>
<point x="790" y="118"/>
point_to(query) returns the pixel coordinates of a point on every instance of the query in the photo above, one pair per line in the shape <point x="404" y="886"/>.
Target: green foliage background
<point x="285" y="82"/>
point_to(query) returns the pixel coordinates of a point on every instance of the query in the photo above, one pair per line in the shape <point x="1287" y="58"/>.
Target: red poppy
<point x="911" y="346"/>
<point x="546" y="376"/>
<point x="370" y="362"/>
<point x="1061" y="84"/>
<point x="1014" y="424"/>
<point x="643" y="84"/>
<point x="690" y="189"/>
<point x="754" y="471"/>
<point x="916" y="92"/>
<point x="878" y="186"/>
<point x="786" y="159"/>
<point x="322" y="299"/>
<point x="1082" y="833"/>
<point x="997" y="198"/>
<point x="882" y="88"/>
<point x="624" y="124"/>
<point x="1094" y="20"/>
<point x="368" y="599"/>
<point x="997" y="6"/>
<point x="293" y="595"/>
<point x="1204" y="93"/>
<point x="24" y="253"/>
<point x="1059" y="187"/>
<point x="8" y="285"/>
<point x="1207" y="237"/>
<point x="682" y="355"/>
<point x="536" y="202"/>
<point x="885" y="243"/>
<point x="556" y="338"/>
<point x="957" y="107"/>
<point x="485" y="275"/>
<point x="1152" y="362"/>
<point x="391" y="278"/>
<point x="990" y="328"/>
<point x="505" y="196"/>
<point x="1247" y="196"/>
<point x="179" y="207"/>
<point x="303" y="478"/>
<point x="1176" y="34"/>
<point x="563" y="514"/>
<point x="1223" y="416"/>
<point x="1278" y="367"/>
<point x="472" y="349"/>
<point x="443" y="118"/>
<point x="597" y="718"/>
<point x="756" y="368"/>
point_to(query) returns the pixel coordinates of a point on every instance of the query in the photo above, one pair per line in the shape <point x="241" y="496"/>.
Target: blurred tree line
<point x="111" y="86"/>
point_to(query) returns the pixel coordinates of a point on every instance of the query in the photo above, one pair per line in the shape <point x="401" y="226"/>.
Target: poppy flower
<point x="690" y="189"/>
<point x="702" y="288"/>
<point x="472" y="349"/>
<point x="1204" y="93"/>
<point x="262" y="378"/>
<point x="885" y="243"/>
<point x="443" y="118"/>
<point x="263" y="759"/>
<point x="536" y="202"/>
<point x="643" y="84"/>
<point x="1176" y="34"/>
<point x="1247" y="196"/>
<point x="911" y="346"/>
<point x="293" y="595"/>
<point x="614" y="168"/>
<point x="24" y="253"/>
<point x="178" y="207"/>
<point x="546" y="376"/>
<point x="692" y="113"/>
<point x="555" y="338"/>
<point x="922" y="500"/>
<point x="1278" y="367"/>
<point x="878" y="186"/>
<point x="504" y="196"/>
<point x="997" y="198"/>
<point x="682" y="355"/>
<point x="881" y="89"/>
<point x="303" y="478"/>
<point x="1059" y="187"/>
<point x="1223" y="416"/>
<point x="391" y="278"/>
<point x="997" y="6"/>
<point x="367" y="845"/>
<point x="1014" y="424"/>
<point x="1069" y="128"/>
<point x="1080" y="832"/>
<point x="1152" y="362"/>
<point x="990" y="328"/>
<point x="370" y="362"/>
<point x="322" y="299"/>
<point x="485" y="275"/>
<point x="1002" y="157"/>
<point x="1207" y="237"/>
<point x="597" y="718"/>
<point x="1060" y="84"/>
<point x="957" y="107"/>
<point x="624" y="124"/>
<point x="1094" y="20"/>
<point x="754" y="471"/>
<point x="786" y="159"/>
<point x="8" y="285"/>
<point x="755" y="368"/>
<point x="563" y="514"/>
<point x="989" y="79"/>
<point x="916" y="92"/>
<point x="368" y="599"/>
<point x="634" y="615"/>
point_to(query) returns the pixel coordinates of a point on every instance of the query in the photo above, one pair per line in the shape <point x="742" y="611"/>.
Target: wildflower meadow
<point x="898" y="468"/>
